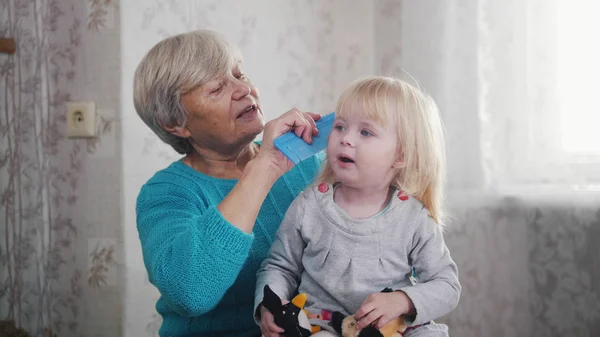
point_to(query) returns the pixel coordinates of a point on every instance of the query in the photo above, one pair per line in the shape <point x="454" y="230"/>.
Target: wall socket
<point x="81" y="119"/>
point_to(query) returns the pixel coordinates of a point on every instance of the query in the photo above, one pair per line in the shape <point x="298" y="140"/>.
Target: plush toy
<point x="291" y="316"/>
<point x="347" y="327"/>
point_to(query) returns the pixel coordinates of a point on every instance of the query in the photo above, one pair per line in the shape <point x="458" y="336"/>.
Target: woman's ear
<point x="178" y="131"/>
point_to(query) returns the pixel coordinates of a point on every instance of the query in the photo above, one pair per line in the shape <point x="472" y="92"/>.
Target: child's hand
<point x="267" y="323"/>
<point x="381" y="308"/>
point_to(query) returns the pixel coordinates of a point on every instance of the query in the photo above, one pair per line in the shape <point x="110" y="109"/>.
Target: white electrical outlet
<point x="81" y="119"/>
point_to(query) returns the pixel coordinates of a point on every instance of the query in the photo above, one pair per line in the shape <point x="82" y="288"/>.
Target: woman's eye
<point x="217" y="90"/>
<point x="365" y="133"/>
<point x="241" y="76"/>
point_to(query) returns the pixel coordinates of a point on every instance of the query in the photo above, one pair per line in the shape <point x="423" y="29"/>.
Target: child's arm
<point x="281" y="270"/>
<point x="438" y="290"/>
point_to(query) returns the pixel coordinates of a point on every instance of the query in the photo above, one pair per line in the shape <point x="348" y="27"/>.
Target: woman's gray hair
<point x="173" y="67"/>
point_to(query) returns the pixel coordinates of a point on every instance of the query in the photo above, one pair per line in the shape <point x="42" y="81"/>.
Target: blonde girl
<point x="373" y="221"/>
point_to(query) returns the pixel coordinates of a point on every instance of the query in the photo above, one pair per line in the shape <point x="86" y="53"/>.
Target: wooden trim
<point x="7" y="45"/>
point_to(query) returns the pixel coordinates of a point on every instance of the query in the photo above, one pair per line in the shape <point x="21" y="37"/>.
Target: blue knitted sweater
<point x="204" y="267"/>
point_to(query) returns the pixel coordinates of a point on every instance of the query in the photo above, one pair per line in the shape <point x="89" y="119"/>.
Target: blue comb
<point x="297" y="150"/>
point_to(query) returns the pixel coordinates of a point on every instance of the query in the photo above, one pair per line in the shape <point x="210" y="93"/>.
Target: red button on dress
<point x="402" y="196"/>
<point x="323" y="187"/>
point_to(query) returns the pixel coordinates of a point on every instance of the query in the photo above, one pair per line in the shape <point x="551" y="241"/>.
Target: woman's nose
<point x="242" y="90"/>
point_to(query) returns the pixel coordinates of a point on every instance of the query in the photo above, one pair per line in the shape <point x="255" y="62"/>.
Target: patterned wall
<point x="60" y="198"/>
<point x="529" y="265"/>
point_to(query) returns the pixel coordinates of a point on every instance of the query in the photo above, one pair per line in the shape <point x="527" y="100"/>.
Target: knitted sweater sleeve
<point x="192" y="254"/>
<point x="281" y="270"/>
<point x="438" y="289"/>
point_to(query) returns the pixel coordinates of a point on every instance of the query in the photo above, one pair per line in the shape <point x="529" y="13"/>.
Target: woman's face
<point x="224" y="113"/>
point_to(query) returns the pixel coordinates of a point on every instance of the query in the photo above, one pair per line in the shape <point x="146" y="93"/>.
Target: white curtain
<point x="498" y="70"/>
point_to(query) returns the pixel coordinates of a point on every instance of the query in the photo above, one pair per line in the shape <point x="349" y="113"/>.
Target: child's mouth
<point x="345" y="159"/>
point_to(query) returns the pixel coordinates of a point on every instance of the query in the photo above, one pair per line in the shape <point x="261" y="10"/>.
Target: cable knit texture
<point x="203" y="266"/>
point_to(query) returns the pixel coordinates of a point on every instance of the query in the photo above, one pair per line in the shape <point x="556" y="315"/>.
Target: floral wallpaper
<point x="528" y="266"/>
<point x="58" y="253"/>
<point x="565" y="270"/>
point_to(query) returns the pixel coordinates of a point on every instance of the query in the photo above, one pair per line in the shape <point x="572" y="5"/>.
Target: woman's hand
<point x="381" y="308"/>
<point x="267" y="324"/>
<point x="303" y="125"/>
<point x="262" y="172"/>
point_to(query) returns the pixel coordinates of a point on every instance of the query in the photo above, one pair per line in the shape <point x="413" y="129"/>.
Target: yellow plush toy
<point x="348" y="328"/>
<point x="394" y="328"/>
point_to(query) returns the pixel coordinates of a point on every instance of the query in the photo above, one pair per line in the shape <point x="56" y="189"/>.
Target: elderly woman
<point x="206" y="222"/>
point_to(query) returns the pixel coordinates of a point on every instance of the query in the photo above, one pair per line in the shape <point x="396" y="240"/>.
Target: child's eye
<point x="365" y="133"/>
<point x="340" y="128"/>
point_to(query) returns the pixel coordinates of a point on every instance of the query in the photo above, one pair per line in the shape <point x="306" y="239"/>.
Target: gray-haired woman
<point x="206" y="222"/>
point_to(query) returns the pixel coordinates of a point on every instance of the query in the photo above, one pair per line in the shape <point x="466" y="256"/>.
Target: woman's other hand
<point x="263" y="171"/>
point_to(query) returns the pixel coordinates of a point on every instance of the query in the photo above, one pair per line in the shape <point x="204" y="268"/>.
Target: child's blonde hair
<point x="391" y="101"/>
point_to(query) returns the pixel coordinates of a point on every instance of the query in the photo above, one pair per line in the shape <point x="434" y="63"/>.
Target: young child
<point x="374" y="218"/>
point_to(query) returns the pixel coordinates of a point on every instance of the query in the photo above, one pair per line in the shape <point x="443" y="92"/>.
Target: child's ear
<point x="398" y="164"/>
<point x="178" y="131"/>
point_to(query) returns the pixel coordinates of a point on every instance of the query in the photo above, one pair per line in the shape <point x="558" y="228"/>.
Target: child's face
<point x="362" y="153"/>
